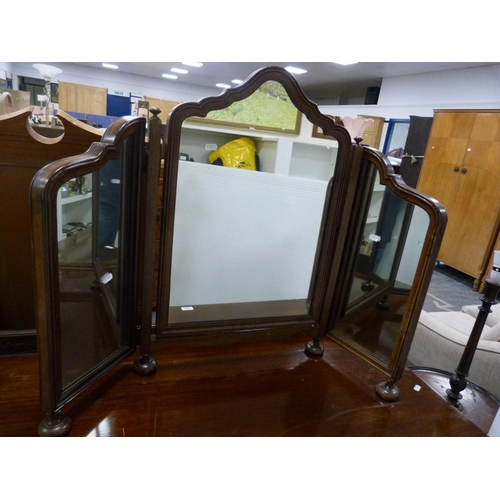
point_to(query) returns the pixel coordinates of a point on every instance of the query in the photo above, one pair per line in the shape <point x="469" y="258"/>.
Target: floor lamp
<point x="458" y="381"/>
<point x="48" y="72"/>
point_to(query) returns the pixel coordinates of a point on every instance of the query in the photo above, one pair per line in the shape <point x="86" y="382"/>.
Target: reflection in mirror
<point x="108" y="209"/>
<point x="397" y="133"/>
<point x="88" y="273"/>
<point x="248" y="211"/>
<point x="74" y="220"/>
<point x="388" y="255"/>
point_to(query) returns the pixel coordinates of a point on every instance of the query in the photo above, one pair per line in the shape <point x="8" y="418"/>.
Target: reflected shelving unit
<point x="298" y="155"/>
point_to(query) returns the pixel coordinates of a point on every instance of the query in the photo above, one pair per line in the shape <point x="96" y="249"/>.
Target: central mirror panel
<point x="250" y="196"/>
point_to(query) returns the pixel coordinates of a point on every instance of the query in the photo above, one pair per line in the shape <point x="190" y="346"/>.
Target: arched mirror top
<point x="388" y="177"/>
<point x="49" y="179"/>
<point x="251" y="85"/>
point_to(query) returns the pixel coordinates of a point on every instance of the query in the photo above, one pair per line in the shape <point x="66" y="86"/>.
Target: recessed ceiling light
<point x="195" y="64"/>
<point x="167" y="75"/>
<point x="181" y="71"/>
<point x="110" y="66"/>
<point x="223" y="85"/>
<point x="296" y="71"/>
<point x="237" y="82"/>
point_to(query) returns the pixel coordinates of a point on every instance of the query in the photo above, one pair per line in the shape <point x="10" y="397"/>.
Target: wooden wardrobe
<point x="461" y="169"/>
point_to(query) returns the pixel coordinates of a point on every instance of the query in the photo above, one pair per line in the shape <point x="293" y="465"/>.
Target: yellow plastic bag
<point x="240" y="153"/>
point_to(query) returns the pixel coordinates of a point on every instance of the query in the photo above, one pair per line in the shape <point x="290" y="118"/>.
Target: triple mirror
<point x="263" y="226"/>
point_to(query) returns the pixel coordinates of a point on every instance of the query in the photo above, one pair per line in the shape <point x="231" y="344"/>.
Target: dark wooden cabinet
<point x="414" y="150"/>
<point x="23" y="152"/>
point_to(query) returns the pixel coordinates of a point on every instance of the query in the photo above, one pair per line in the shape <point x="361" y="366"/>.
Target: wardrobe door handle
<point x="464" y="170"/>
<point x="456" y="169"/>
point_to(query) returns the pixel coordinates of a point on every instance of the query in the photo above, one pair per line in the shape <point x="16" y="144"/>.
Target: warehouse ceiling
<point x="322" y="81"/>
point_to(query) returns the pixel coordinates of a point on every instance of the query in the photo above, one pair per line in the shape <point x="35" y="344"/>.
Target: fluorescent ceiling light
<point x="223" y="85"/>
<point x="181" y="71"/>
<point x="237" y="82"/>
<point x="110" y="66"/>
<point x="167" y="75"/>
<point x="195" y="64"/>
<point x="344" y="63"/>
<point x="295" y="71"/>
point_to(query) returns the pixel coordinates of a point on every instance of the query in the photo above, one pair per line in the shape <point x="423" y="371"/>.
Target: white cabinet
<point x="292" y="155"/>
<point x="243" y="236"/>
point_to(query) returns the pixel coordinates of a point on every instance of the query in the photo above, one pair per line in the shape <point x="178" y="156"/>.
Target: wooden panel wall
<point x="82" y="98"/>
<point x="373" y="133"/>
<point x="164" y="104"/>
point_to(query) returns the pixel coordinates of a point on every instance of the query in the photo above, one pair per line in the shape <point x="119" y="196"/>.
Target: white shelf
<point x="301" y="156"/>
<point x="75" y="198"/>
<point x="74" y="208"/>
<point x="238" y="132"/>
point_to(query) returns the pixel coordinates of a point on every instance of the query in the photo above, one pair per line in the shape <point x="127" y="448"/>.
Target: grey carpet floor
<point x="449" y="290"/>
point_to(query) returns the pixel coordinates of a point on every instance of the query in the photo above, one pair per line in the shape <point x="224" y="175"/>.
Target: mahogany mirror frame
<point x="44" y="192"/>
<point x="334" y="198"/>
<point x="339" y="284"/>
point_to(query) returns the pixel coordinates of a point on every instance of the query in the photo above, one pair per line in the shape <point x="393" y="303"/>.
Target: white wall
<point x="419" y="95"/>
<point x="402" y="96"/>
<point x="5" y="66"/>
<point x="134" y="84"/>
<point x="473" y="87"/>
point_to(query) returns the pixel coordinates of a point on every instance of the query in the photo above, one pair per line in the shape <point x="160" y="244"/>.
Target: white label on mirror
<point x="106" y="278"/>
<point x="210" y="147"/>
<point x="187" y="308"/>
<point x="374" y="237"/>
